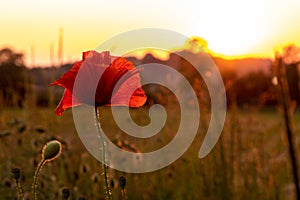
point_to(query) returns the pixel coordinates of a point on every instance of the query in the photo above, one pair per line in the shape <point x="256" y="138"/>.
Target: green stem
<point x="97" y="117"/>
<point x="19" y="190"/>
<point x="35" y="179"/>
<point x="285" y="101"/>
<point x="123" y="193"/>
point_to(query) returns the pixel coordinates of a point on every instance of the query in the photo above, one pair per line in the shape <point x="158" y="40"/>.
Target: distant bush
<point x="254" y="88"/>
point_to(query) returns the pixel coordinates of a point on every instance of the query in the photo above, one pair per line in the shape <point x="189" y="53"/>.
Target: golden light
<point x="157" y="53"/>
<point x="231" y="28"/>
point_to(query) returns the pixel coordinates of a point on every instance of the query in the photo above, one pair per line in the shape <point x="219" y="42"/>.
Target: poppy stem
<point x="36" y="177"/>
<point x="97" y="118"/>
<point x="19" y="190"/>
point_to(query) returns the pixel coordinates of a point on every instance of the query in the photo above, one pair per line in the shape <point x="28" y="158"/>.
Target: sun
<point x="242" y="29"/>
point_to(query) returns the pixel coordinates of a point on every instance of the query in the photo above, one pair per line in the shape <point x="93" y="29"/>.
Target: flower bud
<point x="16" y="173"/>
<point x="122" y="182"/>
<point x="51" y="150"/>
<point x="65" y="193"/>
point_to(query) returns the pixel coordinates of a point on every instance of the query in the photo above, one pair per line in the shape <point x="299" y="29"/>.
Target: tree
<point x="12" y="78"/>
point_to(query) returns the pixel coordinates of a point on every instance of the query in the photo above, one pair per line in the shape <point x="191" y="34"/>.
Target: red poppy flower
<point x="100" y="79"/>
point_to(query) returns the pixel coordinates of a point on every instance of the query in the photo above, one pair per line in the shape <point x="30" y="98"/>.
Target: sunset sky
<point x="231" y="28"/>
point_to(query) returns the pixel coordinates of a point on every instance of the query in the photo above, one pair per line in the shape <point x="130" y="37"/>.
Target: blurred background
<point x="254" y="44"/>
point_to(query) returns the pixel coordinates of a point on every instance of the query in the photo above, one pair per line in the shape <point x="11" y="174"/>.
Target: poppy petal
<point x="67" y="101"/>
<point x="122" y="63"/>
<point x="129" y="92"/>
<point x="67" y="80"/>
<point x="110" y="77"/>
<point x="117" y="82"/>
<point x="91" y="60"/>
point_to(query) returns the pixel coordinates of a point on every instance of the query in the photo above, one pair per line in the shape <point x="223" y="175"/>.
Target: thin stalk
<point x="289" y="134"/>
<point x="19" y="190"/>
<point x="287" y="119"/>
<point x="35" y="178"/>
<point x="123" y="193"/>
<point x="97" y="117"/>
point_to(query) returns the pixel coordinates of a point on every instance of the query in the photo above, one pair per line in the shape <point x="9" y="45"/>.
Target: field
<point x="250" y="160"/>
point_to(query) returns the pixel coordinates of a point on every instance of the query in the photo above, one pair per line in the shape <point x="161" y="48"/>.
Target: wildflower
<point x="98" y="67"/>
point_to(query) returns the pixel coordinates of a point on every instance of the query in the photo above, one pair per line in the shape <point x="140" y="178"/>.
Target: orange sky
<point x="231" y="28"/>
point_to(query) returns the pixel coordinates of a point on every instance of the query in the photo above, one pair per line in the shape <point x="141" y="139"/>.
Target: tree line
<point x="19" y="84"/>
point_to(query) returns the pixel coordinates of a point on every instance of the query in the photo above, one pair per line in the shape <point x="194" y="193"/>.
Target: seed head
<point x="112" y="183"/>
<point x="51" y="150"/>
<point x="16" y="173"/>
<point x="65" y="193"/>
<point x="122" y="182"/>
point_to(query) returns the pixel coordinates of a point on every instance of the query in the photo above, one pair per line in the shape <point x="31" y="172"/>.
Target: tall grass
<point x="250" y="161"/>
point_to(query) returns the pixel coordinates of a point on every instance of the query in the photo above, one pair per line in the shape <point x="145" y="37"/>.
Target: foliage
<point x="12" y="78"/>
<point x="256" y="88"/>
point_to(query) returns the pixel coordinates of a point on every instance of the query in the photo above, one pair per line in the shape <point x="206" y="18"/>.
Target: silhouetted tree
<point x="12" y="78"/>
<point x="196" y="44"/>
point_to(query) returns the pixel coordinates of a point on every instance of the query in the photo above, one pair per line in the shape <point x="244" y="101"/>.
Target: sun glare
<point x="231" y="28"/>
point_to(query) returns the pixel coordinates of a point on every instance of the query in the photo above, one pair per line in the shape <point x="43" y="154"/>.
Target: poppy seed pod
<point x="16" y="173"/>
<point x="65" y="193"/>
<point x="122" y="182"/>
<point x="51" y="150"/>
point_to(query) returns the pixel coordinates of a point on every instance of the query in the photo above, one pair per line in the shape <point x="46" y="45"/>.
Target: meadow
<point x="250" y="160"/>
